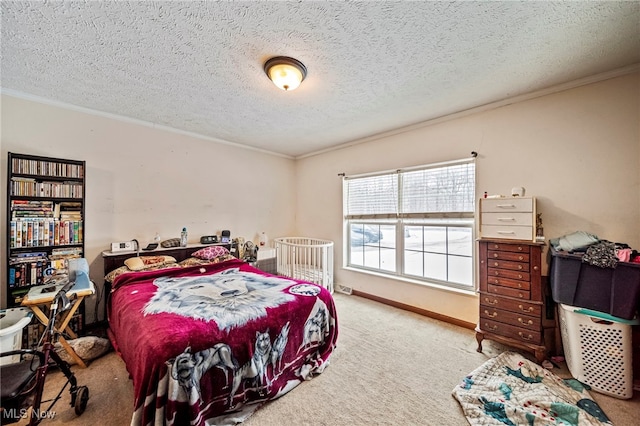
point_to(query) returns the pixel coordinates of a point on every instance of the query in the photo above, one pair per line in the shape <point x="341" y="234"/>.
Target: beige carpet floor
<point x="390" y="367"/>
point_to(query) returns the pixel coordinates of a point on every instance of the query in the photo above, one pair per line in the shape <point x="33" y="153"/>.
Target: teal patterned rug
<point x="511" y="390"/>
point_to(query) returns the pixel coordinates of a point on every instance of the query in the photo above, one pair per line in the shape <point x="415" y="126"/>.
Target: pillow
<point x="210" y="252"/>
<point x="116" y="273"/>
<point x="111" y="276"/>
<point x="193" y="261"/>
<point x="145" y="262"/>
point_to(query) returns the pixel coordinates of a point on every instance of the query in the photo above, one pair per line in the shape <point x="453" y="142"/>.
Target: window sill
<point x="471" y="292"/>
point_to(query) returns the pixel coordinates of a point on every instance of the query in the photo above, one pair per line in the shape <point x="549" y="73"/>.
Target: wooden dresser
<point x="512" y="299"/>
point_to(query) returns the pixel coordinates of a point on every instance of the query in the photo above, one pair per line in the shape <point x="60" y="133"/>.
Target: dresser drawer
<point x="507" y="219"/>
<point x="505" y="264"/>
<point x="517" y="306"/>
<point x="506" y="273"/>
<point x="506" y="282"/>
<point x="510" y="246"/>
<point x="511" y="318"/>
<point x="516" y="333"/>
<point x="515" y="204"/>
<point x="510" y="292"/>
<point x="507" y="232"/>
<point x="508" y="255"/>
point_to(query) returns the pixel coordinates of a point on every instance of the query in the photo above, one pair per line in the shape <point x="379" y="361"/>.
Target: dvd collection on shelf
<point x="33" y="268"/>
<point x="37" y="223"/>
<point x="41" y="166"/>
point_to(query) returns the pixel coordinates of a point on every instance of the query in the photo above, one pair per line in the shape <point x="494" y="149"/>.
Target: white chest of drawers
<point x="512" y="218"/>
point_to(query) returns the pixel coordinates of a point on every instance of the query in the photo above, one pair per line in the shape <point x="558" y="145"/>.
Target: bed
<point x="208" y="341"/>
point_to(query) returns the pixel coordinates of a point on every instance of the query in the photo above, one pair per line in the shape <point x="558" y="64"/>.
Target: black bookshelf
<point x="45" y="222"/>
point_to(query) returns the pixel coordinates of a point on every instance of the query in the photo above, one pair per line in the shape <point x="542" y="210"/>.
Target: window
<point x="415" y="223"/>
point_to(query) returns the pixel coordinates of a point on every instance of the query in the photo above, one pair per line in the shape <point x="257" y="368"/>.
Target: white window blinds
<point x="448" y="189"/>
<point x="439" y="190"/>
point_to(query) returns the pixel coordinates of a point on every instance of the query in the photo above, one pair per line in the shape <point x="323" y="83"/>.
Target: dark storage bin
<point x="615" y="291"/>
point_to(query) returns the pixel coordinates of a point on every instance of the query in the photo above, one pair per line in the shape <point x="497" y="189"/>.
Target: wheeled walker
<point x="23" y="382"/>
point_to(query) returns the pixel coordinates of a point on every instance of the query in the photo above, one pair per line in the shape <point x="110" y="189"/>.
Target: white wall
<point x="142" y="180"/>
<point x="577" y="151"/>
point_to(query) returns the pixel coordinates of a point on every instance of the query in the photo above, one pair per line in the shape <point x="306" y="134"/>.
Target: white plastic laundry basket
<point x="598" y="350"/>
<point x="12" y="321"/>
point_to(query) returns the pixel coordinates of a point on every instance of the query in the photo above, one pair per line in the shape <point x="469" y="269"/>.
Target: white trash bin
<point x="12" y="322"/>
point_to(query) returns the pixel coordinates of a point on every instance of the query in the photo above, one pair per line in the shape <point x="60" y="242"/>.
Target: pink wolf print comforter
<point x="211" y="344"/>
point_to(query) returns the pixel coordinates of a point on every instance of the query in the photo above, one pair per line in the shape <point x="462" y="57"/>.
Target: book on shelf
<point x="25" y="209"/>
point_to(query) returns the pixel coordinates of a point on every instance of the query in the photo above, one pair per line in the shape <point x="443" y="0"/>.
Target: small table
<point x="39" y="302"/>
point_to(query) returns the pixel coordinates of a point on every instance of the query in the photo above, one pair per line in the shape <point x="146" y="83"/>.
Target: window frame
<point x="400" y="221"/>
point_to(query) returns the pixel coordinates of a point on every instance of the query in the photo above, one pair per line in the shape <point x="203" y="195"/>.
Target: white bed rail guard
<point x="304" y="258"/>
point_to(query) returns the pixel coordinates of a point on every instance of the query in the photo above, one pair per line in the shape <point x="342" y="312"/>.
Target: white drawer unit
<point x="512" y="218"/>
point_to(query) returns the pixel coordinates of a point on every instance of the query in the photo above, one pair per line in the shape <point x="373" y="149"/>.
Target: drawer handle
<point x="527" y="337"/>
<point x="487" y="313"/>
<point x="506" y="219"/>
<point x="520" y="248"/>
<point x="493" y="328"/>
<point x="506" y="206"/>
<point x="495" y="254"/>
<point x="520" y="295"/>
<point x="506" y="232"/>
<point x="520" y="267"/>
<point x="519" y="285"/>
<point x="494" y="302"/>
<point x="521" y="321"/>
<point x="496" y="273"/>
<point x="520" y="276"/>
<point x="530" y="309"/>
<point x="520" y="257"/>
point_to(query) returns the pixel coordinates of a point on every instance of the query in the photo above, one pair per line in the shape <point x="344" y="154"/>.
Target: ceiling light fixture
<point x="286" y="73"/>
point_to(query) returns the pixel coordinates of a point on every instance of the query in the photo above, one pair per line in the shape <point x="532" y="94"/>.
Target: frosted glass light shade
<point x="286" y="73"/>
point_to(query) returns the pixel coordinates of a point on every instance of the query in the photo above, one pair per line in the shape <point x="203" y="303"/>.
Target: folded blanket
<point x="575" y="241"/>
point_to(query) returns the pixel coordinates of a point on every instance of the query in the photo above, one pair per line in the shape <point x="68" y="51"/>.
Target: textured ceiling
<point x="372" y="66"/>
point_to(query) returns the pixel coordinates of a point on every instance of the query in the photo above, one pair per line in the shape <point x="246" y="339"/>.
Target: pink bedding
<point x="210" y="344"/>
